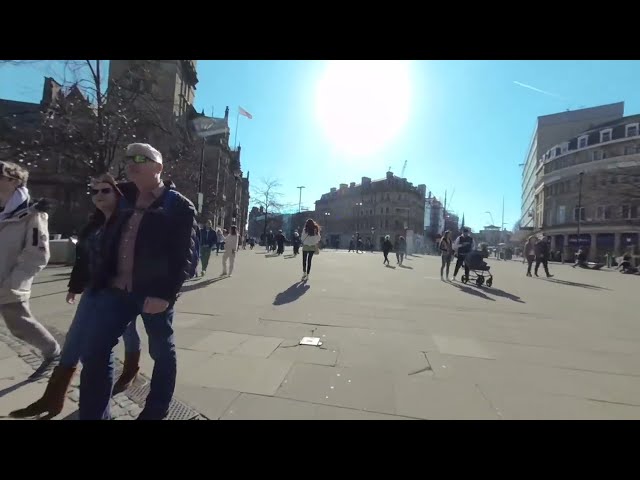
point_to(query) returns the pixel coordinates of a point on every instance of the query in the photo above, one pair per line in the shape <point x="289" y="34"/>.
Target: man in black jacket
<point x="148" y="253"/>
<point x="542" y="256"/>
<point x="462" y="246"/>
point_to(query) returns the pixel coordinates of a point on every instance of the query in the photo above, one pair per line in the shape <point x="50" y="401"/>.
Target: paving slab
<point x="357" y="388"/>
<point x="258" y="407"/>
<point x="239" y="373"/>
<point x="256" y="346"/>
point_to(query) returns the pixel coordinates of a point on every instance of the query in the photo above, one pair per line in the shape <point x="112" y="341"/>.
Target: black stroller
<point x="478" y="269"/>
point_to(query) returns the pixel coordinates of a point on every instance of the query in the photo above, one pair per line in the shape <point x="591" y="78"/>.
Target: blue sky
<point x="467" y="125"/>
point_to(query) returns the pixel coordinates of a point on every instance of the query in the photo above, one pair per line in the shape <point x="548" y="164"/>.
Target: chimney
<point x="343" y="186"/>
<point x="366" y="180"/>
<point x="389" y="175"/>
<point x="333" y="189"/>
<point x="226" y="113"/>
<point x="352" y="184"/>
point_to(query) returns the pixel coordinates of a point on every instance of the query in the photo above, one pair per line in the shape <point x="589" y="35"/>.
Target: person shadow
<point x="501" y="293"/>
<point x="406" y="267"/>
<point x="572" y="284"/>
<point x="199" y="285"/>
<point x="271" y="255"/>
<point x="289" y="256"/>
<point x="472" y="291"/>
<point x="390" y="266"/>
<point x="291" y="294"/>
<point x="13" y="388"/>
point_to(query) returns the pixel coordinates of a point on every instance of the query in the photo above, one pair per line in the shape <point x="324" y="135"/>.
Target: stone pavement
<point x="397" y="342"/>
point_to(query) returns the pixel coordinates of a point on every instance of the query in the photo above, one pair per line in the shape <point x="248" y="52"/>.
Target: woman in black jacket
<point x="387" y="246"/>
<point x="105" y="196"/>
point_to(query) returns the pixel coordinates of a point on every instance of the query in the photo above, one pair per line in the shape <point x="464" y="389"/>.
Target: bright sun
<point x="362" y="105"/>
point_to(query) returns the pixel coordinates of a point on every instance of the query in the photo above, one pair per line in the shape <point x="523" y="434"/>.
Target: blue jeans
<point x="115" y="310"/>
<point x="77" y="333"/>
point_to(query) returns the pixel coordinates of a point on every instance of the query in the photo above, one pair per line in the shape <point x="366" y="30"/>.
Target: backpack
<point x="170" y="198"/>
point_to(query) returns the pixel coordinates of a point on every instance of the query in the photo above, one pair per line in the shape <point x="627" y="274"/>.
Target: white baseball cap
<point x="145" y="150"/>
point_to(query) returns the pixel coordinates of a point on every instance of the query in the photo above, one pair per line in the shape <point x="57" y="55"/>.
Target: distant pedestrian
<point x="280" y="239"/>
<point x="530" y="253"/>
<point x="208" y="241"/>
<point x="220" y="238"/>
<point x="296" y="243"/>
<point x="310" y="241"/>
<point x="352" y="243"/>
<point x="445" y="245"/>
<point x="387" y="246"/>
<point x="463" y="245"/>
<point x="230" y="250"/>
<point x="542" y="256"/>
<point x="401" y="249"/>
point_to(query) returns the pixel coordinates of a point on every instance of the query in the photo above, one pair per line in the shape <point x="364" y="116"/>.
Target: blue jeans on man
<point x="115" y="311"/>
<point x="77" y="333"/>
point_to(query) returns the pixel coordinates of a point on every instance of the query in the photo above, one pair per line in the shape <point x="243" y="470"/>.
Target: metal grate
<point x="178" y="410"/>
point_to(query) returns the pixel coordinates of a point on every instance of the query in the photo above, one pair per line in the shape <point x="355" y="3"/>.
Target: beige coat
<point x="24" y="252"/>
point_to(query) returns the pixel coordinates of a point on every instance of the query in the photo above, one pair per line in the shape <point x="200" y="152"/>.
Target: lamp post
<point x="580" y="175"/>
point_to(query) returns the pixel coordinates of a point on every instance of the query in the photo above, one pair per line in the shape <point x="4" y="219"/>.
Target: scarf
<point x="18" y="198"/>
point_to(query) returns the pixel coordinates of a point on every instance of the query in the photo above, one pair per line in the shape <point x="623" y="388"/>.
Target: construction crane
<point x="404" y="167"/>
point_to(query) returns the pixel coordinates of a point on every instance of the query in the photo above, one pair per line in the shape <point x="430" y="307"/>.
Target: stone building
<point x="374" y="208"/>
<point x="591" y="182"/>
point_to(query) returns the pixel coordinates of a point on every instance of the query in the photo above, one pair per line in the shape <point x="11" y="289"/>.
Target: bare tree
<point x="268" y="196"/>
<point x="90" y="120"/>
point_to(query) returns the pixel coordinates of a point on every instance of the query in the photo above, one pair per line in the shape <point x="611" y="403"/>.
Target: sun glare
<point x="363" y="105"/>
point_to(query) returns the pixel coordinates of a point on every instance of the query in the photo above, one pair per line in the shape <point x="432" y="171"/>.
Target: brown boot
<point x="52" y="401"/>
<point x="129" y="372"/>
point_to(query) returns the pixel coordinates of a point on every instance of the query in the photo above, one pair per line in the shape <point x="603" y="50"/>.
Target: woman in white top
<point x="310" y="240"/>
<point x="230" y="249"/>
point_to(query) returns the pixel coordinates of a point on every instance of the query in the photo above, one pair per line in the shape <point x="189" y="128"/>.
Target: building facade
<point x="588" y="190"/>
<point x="390" y="206"/>
<point x="551" y="130"/>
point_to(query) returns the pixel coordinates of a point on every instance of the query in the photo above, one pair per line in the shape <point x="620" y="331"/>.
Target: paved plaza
<point x="397" y="343"/>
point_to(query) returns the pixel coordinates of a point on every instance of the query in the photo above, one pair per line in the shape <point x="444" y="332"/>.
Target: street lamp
<point x="580" y="175"/>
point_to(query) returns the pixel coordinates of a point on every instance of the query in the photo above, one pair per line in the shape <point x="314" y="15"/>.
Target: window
<point x="564" y="148"/>
<point x="629" y="149"/>
<point x="575" y="214"/>
<point x="561" y="214"/>
<point x="632" y="130"/>
<point x="582" y="141"/>
<point x="558" y="151"/>
<point x="387" y="209"/>
<point x="596" y="155"/>
<point x="604" y="212"/>
<point x="605" y="135"/>
<point x="629" y="211"/>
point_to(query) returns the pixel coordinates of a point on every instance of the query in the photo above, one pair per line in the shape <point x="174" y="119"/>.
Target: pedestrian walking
<point x="530" y="254"/>
<point x="401" y="249"/>
<point x="220" y="237"/>
<point x="230" y="250"/>
<point x="352" y="243"/>
<point x="148" y="253"/>
<point x="105" y="196"/>
<point x="280" y="239"/>
<point x="24" y="252"/>
<point x="310" y="241"/>
<point x="445" y="245"/>
<point x="387" y="246"/>
<point x="296" y="243"/>
<point x="208" y="241"/>
<point x="463" y="245"/>
<point x="542" y="256"/>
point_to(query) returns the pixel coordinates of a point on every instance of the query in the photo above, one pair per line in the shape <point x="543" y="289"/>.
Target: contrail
<point x="537" y="89"/>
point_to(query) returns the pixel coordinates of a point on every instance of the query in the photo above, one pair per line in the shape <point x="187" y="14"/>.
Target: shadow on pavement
<point x="271" y="255"/>
<point x="573" y="284"/>
<point x="15" y="387"/>
<point x="289" y="256"/>
<point x="404" y="266"/>
<point x="291" y="294"/>
<point x="199" y="285"/>
<point x="501" y="293"/>
<point x="389" y="266"/>
<point x="472" y="291"/>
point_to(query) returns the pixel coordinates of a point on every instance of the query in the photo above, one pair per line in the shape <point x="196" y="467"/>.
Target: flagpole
<point x="235" y="139"/>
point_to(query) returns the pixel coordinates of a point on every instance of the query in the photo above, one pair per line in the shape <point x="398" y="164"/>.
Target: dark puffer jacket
<point x="164" y="247"/>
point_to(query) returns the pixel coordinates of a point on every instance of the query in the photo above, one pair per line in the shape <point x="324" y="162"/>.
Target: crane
<point x="404" y="167"/>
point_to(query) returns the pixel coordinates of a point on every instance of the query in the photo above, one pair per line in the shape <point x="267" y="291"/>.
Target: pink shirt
<point x="127" y="248"/>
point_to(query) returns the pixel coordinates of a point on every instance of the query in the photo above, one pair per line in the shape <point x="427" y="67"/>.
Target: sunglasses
<point x="138" y="159"/>
<point x="104" y="191"/>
